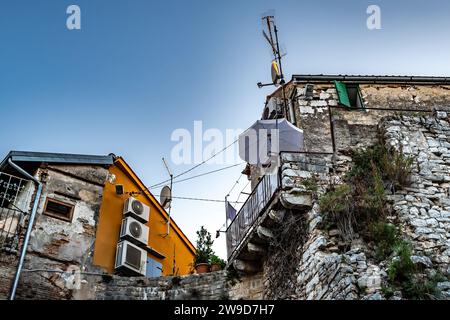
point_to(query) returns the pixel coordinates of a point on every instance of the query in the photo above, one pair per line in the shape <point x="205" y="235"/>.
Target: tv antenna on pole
<point x="270" y="33"/>
<point x="166" y="197"/>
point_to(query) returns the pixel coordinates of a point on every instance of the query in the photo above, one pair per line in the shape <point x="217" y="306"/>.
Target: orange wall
<point x="175" y="245"/>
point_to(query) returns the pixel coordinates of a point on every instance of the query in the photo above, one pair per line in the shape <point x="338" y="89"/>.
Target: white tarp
<point x="265" y="139"/>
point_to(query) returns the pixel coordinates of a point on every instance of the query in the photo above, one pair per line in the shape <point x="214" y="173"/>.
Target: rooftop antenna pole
<point x="277" y="73"/>
<point x="171" y="183"/>
<point x="282" y="82"/>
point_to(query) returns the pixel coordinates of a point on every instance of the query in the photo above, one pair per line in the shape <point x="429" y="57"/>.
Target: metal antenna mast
<point x="277" y="70"/>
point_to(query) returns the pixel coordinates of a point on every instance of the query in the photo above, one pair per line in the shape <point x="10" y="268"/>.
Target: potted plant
<point x="204" y="251"/>
<point x="217" y="263"/>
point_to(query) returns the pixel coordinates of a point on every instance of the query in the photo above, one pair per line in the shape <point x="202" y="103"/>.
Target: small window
<point x="349" y="95"/>
<point x="154" y="268"/>
<point x="58" y="209"/>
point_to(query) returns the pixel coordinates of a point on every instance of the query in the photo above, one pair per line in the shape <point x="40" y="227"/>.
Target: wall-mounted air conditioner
<point x="136" y="209"/>
<point x="130" y="259"/>
<point x="134" y="231"/>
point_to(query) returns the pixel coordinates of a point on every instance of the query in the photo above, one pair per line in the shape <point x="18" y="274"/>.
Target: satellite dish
<point x="165" y="197"/>
<point x="275" y="71"/>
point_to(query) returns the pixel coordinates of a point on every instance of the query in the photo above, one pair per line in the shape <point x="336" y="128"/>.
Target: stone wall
<point x="208" y="286"/>
<point x="356" y="128"/>
<point x="248" y="288"/>
<point x="424" y="207"/>
<point x="328" y="268"/>
<point x="51" y="284"/>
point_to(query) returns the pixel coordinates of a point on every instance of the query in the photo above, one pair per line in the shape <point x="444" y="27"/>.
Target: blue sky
<point x="137" y="70"/>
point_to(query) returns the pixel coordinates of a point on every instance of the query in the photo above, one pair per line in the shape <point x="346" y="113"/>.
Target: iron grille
<point x="15" y="196"/>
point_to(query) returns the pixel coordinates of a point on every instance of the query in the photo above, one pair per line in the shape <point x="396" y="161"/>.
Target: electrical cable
<point x="196" y="166"/>
<point x="201" y="175"/>
<point x="198" y="199"/>
<point x="234" y="185"/>
<point x="239" y="196"/>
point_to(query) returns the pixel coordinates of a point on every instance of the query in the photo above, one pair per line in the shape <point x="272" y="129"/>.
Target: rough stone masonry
<point x="327" y="269"/>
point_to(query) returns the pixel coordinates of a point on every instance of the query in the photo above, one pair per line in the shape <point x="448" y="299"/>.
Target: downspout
<point x="29" y="228"/>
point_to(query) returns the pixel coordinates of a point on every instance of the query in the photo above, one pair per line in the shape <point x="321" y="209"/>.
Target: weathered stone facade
<point x="327" y="267"/>
<point x="56" y="282"/>
<point x="424" y="207"/>
<point x="208" y="286"/>
<point x="58" y="248"/>
<point x="357" y="128"/>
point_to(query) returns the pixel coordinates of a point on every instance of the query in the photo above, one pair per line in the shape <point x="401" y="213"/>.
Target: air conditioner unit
<point x="134" y="231"/>
<point x="136" y="209"/>
<point x="130" y="259"/>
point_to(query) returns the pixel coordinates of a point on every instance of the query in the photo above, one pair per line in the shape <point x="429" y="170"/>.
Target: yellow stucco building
<point x="167" y="254"/>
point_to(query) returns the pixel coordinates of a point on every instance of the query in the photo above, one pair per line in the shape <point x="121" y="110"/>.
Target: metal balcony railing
<point x="253" y="207"/>
<point x="15" y="195"/>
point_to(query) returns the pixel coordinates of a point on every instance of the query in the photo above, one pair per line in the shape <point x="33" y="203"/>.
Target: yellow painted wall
<point x="176" y="245"/>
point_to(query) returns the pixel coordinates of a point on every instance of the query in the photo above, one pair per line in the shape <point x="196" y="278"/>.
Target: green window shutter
<point x="360" y="104"/>
<point x="341" y="89"/>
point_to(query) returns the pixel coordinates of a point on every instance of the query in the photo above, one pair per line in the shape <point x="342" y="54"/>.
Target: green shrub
<point x="338" y="206"/>
<point x="397" y="169"/>
<point x="387" y="291"/>
<point x="217" y="260"/>
<point x="385" y="237"/>
<point x="401" y="268"/>
<point x="359" y="203"/>
<point x="423" y="288"/>
<point x="394" y="166"/>
<point x="405" y="276"/>
<point x="310" y="184"/>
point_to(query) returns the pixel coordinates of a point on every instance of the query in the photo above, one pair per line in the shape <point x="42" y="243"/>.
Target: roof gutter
<point x="418" y="80"/>
<point x="29" y="228"/>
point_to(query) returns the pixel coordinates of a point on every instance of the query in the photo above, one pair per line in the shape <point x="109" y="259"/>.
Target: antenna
<point x="270" y="33"/>
<point x="166" y="196"/>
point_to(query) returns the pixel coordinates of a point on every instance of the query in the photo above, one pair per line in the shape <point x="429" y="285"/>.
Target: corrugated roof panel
<point x="372" y="79"/>
<point x="27" y="156"/>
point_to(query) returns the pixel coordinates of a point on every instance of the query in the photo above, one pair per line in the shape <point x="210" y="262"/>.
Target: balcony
<point x="250" y="232"/>
<point x="260" y="198"/>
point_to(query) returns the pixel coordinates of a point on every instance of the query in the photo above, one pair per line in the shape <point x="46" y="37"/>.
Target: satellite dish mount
<point x="166" y="197"/>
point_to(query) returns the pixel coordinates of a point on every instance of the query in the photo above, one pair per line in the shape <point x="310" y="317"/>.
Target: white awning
<point x="265" y="139"/>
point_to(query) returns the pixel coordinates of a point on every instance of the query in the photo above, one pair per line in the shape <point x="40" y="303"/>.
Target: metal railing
<point x="261" y="196"/>
<point x="15" y="194"/>
<point x="252" y="208"/>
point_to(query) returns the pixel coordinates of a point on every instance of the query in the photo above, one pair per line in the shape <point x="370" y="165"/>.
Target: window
<point x="58" y="209"/>
<point x="349" y="95"/>
<point x="154" y="268"/>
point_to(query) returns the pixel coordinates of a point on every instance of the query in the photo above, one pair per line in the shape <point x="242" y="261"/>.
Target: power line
<point x="197" y="199"/>
<point x="203" y="174"/>
<point x="242" y="191"/>
<point x="235" y="184"/>
<point x="196" y="166"/>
